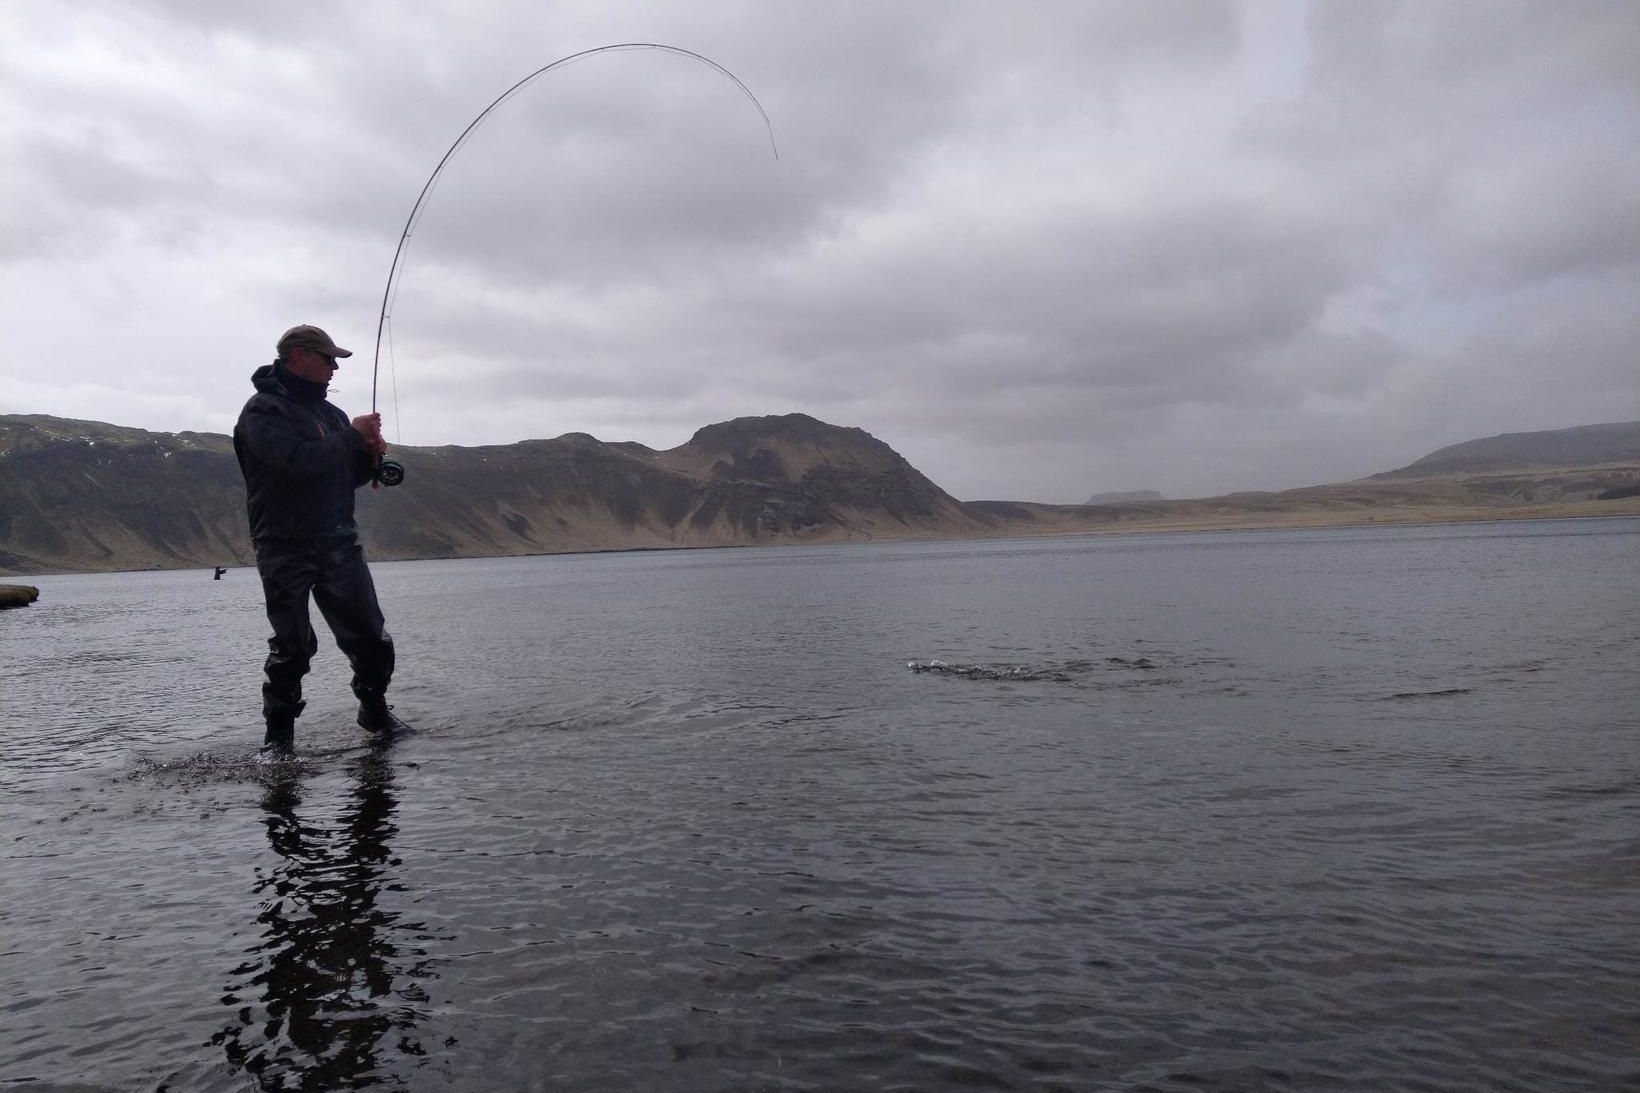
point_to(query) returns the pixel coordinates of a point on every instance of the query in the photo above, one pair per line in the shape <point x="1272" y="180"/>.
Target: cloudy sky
<point x="1041" y="249"/>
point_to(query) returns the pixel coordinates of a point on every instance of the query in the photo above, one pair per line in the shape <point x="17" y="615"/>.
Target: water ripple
<point x="1248" y="813"/>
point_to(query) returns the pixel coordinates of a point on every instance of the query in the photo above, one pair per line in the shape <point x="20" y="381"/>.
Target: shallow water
<point x="1349" y="809"/>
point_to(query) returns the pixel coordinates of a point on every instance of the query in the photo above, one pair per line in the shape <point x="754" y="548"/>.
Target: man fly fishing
<point x="302" y="459"/>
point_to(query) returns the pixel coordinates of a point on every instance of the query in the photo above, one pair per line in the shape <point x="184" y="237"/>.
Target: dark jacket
<point x="301" y="457"/>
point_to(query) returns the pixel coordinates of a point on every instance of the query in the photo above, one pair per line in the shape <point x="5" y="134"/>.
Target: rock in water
<point x="18" y="595"/>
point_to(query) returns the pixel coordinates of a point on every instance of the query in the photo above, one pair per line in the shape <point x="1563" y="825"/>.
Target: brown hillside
<point x="79" y="495"/>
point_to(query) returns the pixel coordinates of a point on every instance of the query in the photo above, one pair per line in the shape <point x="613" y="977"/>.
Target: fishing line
<point x="393" y="374"/>
<point x="388" y="472"/>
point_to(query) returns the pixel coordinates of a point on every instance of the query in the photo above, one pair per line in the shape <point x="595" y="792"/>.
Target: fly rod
<point x="390" y="472"/>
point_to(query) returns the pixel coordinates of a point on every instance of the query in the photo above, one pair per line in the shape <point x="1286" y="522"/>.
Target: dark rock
<point x="17" y="595"/>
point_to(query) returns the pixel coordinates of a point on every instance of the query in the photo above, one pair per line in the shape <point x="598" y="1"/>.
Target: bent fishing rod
<point x="390" y="472"/>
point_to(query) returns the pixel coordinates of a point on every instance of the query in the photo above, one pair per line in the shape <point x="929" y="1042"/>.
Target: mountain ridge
<point x="85" y="496"/>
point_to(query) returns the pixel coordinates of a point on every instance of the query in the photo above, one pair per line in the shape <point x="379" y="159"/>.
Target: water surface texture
<point x="1345" y="809"/>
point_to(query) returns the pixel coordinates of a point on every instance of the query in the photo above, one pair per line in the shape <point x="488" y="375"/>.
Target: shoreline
<point x="1428" y="516"/>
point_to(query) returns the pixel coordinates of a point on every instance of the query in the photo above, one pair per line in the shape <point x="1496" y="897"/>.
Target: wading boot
<point x="376" y="716"/>
<point x="279" y="742"/>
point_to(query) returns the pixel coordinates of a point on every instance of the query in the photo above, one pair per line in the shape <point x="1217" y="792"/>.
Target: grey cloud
<point x="574" y="162"/>
<point x="1042" y="249"/>
<point x="1506" y="135"/>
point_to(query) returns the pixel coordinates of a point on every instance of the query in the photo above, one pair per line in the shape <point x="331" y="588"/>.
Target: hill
<point x="744" y="482"/>
<point x="81" y="495"/>
<point x="1582" y="446"/>
<point x="78" y="495"/>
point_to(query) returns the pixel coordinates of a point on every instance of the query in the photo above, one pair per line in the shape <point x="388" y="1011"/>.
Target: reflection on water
<point x="330" y="994"/>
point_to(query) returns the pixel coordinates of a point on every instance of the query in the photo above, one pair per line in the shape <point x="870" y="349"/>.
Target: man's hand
<point x="369" y="426"/>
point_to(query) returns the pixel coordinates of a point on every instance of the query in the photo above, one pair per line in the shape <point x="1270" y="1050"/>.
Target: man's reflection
<point x="315" y="1001"/>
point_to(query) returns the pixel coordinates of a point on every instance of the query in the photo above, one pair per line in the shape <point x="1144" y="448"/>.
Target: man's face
<point x="311" y="365"/>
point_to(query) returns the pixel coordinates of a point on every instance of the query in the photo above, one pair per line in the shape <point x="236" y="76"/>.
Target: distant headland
<point x="1122" y="497"/>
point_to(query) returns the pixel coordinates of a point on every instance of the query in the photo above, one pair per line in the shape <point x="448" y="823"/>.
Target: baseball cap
<point x="310" y="337"/>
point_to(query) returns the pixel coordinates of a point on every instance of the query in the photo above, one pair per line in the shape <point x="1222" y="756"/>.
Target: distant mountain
<point x="1582" y="446"/>
<point x="1120" y="497"/>
<point x="82" y="495"/>
<point x="78" y="495"/>
<point x="749" y="481"/>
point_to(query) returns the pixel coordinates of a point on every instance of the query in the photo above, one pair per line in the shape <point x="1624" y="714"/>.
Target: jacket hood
<point x="266" y="380"/>
<point x="271" y="379"/>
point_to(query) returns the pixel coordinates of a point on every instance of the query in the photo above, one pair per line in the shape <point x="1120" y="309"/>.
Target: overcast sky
<point x="1042" y="249"/>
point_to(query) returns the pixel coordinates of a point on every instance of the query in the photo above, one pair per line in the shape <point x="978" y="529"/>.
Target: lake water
<point x="1350" y="809"/>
